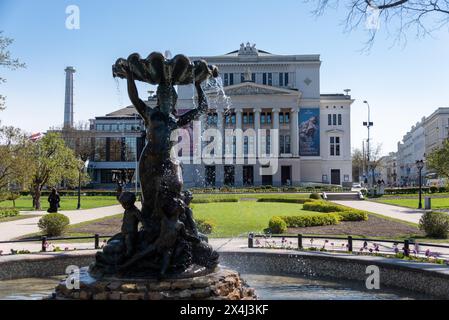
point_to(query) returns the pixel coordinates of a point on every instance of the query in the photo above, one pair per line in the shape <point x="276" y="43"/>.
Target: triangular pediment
<point x="251" y="88"/>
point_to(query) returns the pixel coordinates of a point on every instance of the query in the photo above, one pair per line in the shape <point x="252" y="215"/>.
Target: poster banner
<point x="309" y="132"/>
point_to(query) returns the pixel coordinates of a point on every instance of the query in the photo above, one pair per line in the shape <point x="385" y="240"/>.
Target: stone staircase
<point x="342" y="196"/>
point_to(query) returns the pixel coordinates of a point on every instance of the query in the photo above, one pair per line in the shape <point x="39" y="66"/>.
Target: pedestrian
<point x="54" y="200"/>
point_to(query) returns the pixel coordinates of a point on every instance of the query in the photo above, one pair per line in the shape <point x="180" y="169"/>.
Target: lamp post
<point x="83" y="159"/>
<point x="368" y="124"/>
<point x="420" y="166"/>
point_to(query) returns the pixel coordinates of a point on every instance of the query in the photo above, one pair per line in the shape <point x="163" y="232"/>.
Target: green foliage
<point x="323" y="206"/>
<point x="438" y="160"/>
<point x="214" y="199"/>
<point x="205" y="226"/>
<point x="285" y="200"/>
<point x="435" y="224"/>
<point x="353" y="215"/>
<point x="315" y="196"/>
<point x="8" y="212"/>
<point x="277" y="225"/>
<point x="54" y="162"/>
<point x="312" y="220"/>
<point x="53" y="224"/>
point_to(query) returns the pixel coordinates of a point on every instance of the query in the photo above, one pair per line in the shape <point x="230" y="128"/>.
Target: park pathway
<point x="401" y="213"/>
<point x="17" y="228"/>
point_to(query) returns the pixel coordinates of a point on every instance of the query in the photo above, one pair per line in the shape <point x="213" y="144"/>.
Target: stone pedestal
<point x="222" y="284"/>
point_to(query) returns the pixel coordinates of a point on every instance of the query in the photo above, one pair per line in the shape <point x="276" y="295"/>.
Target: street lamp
<point x="368" y="124"/>
<point x="420" y="166"/>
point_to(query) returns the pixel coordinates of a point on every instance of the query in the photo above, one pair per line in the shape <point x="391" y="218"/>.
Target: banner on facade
<point x="309" y="132"/>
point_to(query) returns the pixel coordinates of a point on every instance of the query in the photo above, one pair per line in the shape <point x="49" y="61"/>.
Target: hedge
<point x="412" y="190"/>
<point x="353" y="215"/>
<point x="277" y="225"/>
<point x="214" y="199"/>
<point x="300" y="201"/>
<point x="8" y="212"/>
<point x="323" y="206"/>
<point x="312" y="220"/>
<point x="345" y="213"/>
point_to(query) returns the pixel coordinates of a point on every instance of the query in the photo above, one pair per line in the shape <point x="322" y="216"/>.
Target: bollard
<point x="250" y="240"/>
<point x="427" y="203"/>
<point x="97" y="241"/>
<point x="406" y="247"/>
<point x="299" y="241"/>
<point x="349" y="243"/>
<point x="44" y="247"/>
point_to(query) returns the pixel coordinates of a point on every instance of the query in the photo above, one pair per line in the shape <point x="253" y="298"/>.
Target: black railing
<point x="349" y="239"/>
<point x="44" y="240"/>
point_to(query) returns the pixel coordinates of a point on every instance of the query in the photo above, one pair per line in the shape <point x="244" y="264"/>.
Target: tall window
<point x="284" y="117"/>
<point x="281" y="79"/>
<point x="287" y="144"/>
<point x="281" y="117"/>
<point x="231" y="79"/>
<point x="100" y="149"/>
<point x="281" y="144"/>
<point x="269" y="117"/>
<point x="262" y="118"/>
<point x="264" y="78"/>
<point x="270" y="79"/>
<point x="115" y="149"/>
<point x="334" y="119"/>
<point x="226" y="79"/>
<point x="130" y="149"/>
<point x="286" y="79"/>
<point x="253" y="77"/>
<point x="334" y="146"/>
<point x="251" y="117"/>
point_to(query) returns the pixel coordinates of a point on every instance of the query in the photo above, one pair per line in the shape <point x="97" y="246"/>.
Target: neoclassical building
<point x="264" y="91"/>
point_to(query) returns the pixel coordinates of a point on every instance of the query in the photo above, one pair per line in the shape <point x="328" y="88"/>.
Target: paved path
<point x="17" y="228"/>
<point x="406" y="214"/>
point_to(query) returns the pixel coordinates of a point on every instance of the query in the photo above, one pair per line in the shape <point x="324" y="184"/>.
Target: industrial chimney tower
<point x="68" y="106"/>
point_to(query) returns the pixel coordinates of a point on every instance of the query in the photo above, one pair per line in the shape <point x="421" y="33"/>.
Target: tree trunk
<point x="37" y="198"/>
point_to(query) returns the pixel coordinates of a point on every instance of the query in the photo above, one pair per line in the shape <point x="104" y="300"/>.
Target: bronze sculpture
<point x="168" y="242"/>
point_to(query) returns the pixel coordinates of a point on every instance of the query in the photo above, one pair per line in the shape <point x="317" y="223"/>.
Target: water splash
<point x="118" y="92"/>
<point x="216" y="95"/>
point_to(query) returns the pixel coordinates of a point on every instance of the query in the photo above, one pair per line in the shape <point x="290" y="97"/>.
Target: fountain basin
<point x="429" y="280"/>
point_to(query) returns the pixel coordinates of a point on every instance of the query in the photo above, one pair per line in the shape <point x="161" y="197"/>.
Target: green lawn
<point x="236" y="218"/>
<point x="67" y="202"/>
<point x="252" y="195"/>
<point x="437" y="203"/>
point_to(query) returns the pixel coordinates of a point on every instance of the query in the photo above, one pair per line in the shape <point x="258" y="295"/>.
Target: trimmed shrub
<point x="285" y="200"/>
<point x="205" y="226"/>
<point x="315" y="196"/>
<point x="353" y="215"/>
<point x="277" y="225"/>
<point x="435" y="224"/>
<point x="214" y="199"/>
<point x="319" y="219"/>
<point x="323" y="206"/>
<point x="53" y="224"/>
<point x="8" y="212"/>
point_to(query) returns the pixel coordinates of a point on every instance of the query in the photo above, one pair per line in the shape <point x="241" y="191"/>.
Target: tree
<point x="15" y="160"/>
<point x="54" y="162"/>
<point x="425" y="16"/>
<point x="438" y="160"/>
<point x="358" y="163"/>
<point x="81" y="141"/>
<point x="7" y="61"/>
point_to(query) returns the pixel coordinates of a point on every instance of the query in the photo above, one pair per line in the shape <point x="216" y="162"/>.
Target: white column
<point x="277" y="174"/>
<point x="275" y="113"/>
<point x="257" y="176"/>
<point x="294" y="131"/>
<point x="238" y="168"/>
<point x="219" y="169"/>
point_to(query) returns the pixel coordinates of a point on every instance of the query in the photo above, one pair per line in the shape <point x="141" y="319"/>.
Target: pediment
<point x="251" y="88"/>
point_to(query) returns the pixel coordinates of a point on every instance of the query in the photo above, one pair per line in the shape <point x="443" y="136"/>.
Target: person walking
<point x="54" y="200"/>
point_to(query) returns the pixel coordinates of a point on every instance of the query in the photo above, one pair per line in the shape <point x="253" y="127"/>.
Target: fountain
<point x="167" y="258"/>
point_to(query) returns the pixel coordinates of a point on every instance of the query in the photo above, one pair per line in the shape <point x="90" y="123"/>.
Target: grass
<point x="437" y="203"/>
<point x="67" y="202"/>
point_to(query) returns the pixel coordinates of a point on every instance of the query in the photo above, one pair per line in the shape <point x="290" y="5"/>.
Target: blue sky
<point x="402" y="83"/>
